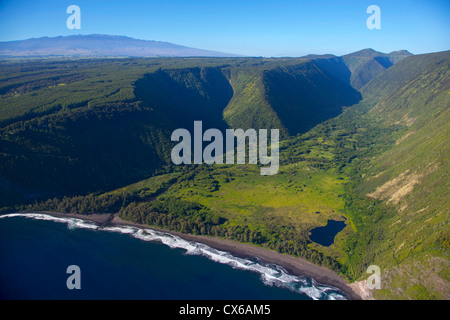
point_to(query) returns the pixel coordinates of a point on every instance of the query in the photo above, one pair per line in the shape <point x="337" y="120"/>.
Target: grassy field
<point x="298" y="195"/>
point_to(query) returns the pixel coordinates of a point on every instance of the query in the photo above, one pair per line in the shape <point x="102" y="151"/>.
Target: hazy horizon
<point x="207" y="49"/>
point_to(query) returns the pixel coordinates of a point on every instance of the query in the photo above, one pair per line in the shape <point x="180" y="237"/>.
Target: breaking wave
<point x="271" y="274"/>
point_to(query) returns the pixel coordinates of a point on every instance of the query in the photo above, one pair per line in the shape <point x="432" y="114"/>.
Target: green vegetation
<point x="110" y="122"/>
<point x="366" y="64"/>
<point x="249" y="107"/>
<point x="96" y="138"/>
<point x="294" y="91"/>
<point x="411" y="177"/>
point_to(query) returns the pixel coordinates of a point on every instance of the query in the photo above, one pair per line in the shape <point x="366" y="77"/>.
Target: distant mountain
<point x="368" y="63"/>
<point x="100" y="45"/>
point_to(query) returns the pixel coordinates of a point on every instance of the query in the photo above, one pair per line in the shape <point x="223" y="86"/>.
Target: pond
<point x="325" y="235"/>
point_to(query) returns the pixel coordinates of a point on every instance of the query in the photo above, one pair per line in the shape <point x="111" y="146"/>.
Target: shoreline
<point x="294" y="265"/>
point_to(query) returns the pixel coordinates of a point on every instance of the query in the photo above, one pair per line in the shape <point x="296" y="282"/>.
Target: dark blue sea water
<point x="129" y="263"/>
<point x="325" y="235"/>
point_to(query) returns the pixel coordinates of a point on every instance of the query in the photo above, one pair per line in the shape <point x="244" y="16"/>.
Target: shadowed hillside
<point x="305" y="95"/>
<point x="181" y="96"/>
<point x="366" y="64"/>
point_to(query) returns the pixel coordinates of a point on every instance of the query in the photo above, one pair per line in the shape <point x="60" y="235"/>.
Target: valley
<point x="364" y="139"/>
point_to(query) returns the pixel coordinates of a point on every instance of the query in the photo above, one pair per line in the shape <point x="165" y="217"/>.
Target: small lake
<point x="325" y="235"/>
<point x="125" y="263"/>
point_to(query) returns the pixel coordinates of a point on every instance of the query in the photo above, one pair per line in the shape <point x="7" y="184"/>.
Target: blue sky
<point x="254" y="28"/>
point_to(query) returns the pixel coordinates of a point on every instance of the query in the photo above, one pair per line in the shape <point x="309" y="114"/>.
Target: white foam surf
<point x="273" y="275"/>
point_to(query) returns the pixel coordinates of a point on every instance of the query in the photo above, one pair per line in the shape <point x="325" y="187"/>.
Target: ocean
<point x="133" y="263"/>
